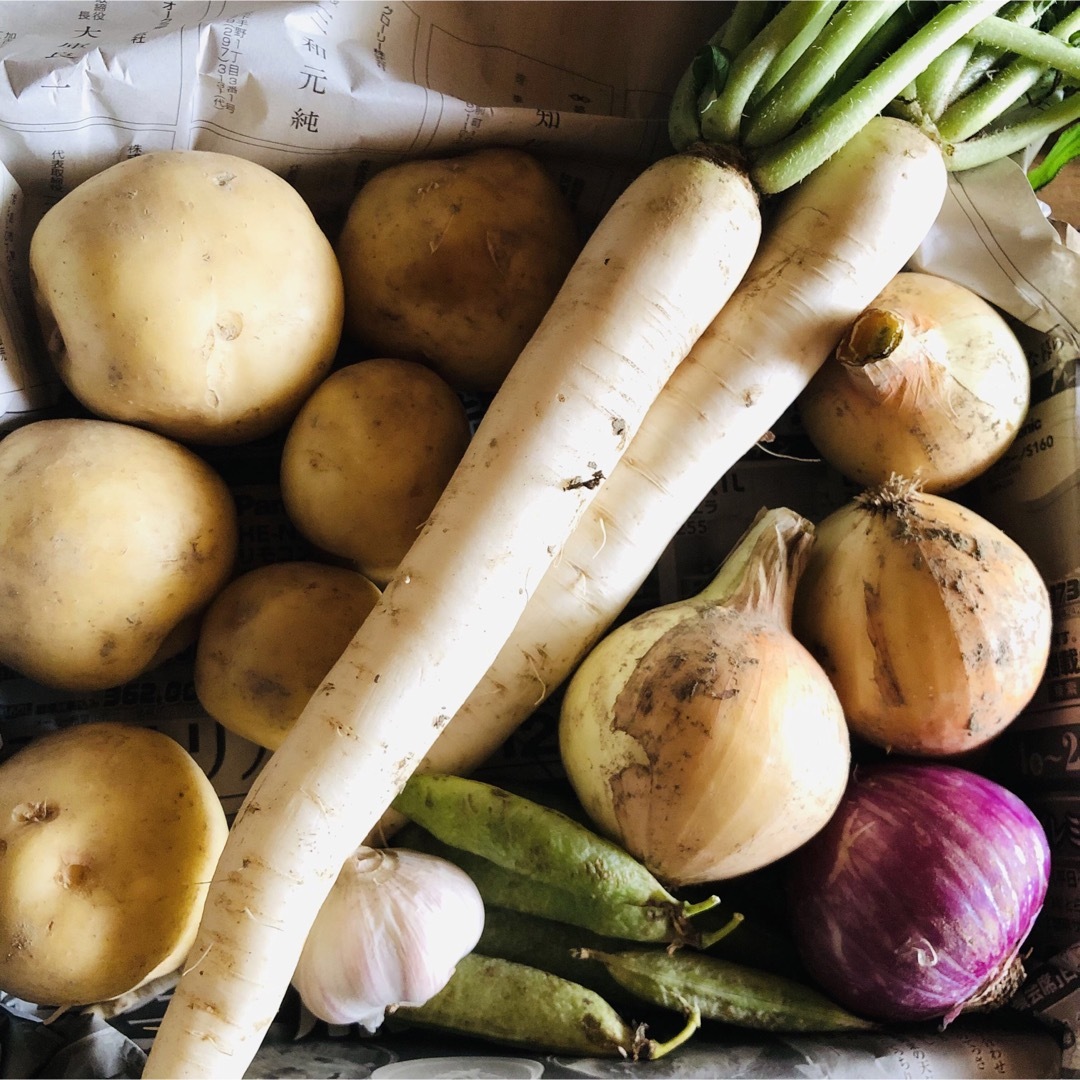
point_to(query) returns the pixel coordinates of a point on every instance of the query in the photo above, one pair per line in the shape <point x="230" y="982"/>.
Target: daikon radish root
<point x="652" y="276"/>
<point x="825" y="254"/>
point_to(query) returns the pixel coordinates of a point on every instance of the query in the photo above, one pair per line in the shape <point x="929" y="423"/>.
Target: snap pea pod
<point x="591" y="910"/>
<point x="721" y="990"/>
<point x="546" y="847"/>
<point x="549" y="945"/>
<point x="517" y="1005"/>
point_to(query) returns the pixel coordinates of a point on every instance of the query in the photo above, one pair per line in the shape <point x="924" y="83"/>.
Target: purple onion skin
<point x="919" y="892"/>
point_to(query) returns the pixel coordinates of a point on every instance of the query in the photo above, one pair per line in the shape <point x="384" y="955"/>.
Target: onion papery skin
<point x="912" y="903"/>
<point x="932" y="623"/>
<point x="930" y="382"/>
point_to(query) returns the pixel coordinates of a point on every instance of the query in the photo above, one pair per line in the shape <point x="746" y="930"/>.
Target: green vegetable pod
<point x="689" y="982"/>
<point x="517" y="1005"/>
<point x="550" y="946"/>
<point x="529" y="857"/>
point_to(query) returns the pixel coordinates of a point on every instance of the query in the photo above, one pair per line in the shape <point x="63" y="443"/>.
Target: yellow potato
<point x="367" y="458"/>
<point x="268" y="640"/>
<point x="454" y="262"/>
<point x="112" y="541"/>
<point x="109" y="835"/>
<point x="189" y="292"/>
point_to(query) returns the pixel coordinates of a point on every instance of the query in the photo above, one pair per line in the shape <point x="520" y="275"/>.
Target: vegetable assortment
<point x="677" y="967"/>
<point x="705" y="740"/>
<point x="822" y="257"/>
<point x="650" y="279"/>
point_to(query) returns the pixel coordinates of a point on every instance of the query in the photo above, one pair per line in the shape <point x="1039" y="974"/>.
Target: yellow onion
<point x="932" y="623"/>
<point x="702" y="736"/>
<point x="929" y="382"/>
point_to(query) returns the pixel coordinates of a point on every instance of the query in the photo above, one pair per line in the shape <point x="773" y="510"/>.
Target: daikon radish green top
<point x="791" y="83"/>
<point x="782" y="87"/>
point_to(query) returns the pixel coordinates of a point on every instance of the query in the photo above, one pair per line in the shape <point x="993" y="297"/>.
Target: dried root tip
<point x="997" y="990"/>
<point x="893" y="497"/>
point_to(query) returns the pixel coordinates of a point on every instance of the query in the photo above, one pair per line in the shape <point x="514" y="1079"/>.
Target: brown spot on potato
<point x="33" y="813"/>
<point x="261" y="686"/>
<point x="229" y="325"/>
<point x="74" y="876"/>
<point x="19" y="941"/>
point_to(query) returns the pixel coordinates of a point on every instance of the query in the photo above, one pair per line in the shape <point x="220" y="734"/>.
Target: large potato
<point x="367" y="458"/>
<point x="112" y="541"/>
<point x="189" y="292"/>
<point x="454" y="262"/>
<point x="268" y="640"/>
<point x="109" y="835"/>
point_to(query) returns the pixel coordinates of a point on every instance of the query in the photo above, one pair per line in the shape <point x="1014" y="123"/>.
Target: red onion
<point x="913" y="902"/>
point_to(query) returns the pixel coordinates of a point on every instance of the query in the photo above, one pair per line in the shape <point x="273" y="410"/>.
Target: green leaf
<point x="697" y="91"/>
<point x="1065" y="148"/>
<point x="711" y="69"/>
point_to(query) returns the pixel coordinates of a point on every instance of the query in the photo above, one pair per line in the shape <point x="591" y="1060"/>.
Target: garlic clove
<point x="390" y="932"/>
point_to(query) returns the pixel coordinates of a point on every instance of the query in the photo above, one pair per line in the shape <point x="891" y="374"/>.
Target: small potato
<point x="189" y="292"/>
<point x="112" y="542"/>
<point x="268" y="640"/>
<point x="367" y="458"/>
<point x="109" y="835"/>
<point x="454" y="262"/>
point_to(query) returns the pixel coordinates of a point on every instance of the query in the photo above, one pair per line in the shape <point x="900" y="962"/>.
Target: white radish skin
<point x="831" y="245"/>
<point x="651" y="278"/>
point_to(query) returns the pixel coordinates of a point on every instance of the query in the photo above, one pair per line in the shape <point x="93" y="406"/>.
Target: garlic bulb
<point x="390" y="932"/>
<point x="701" y="735"/>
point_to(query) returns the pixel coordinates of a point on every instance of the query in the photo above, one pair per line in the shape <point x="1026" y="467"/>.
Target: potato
<point x="367" y="458"/>
<point x="109" y="835"/>
<point x="268" y="640"/>
<point x="454" y="262"/>
<point x="189" y="292"/>
<point x="112" y="541"/>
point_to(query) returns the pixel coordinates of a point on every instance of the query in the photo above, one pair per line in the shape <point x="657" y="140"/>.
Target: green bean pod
<point x="517" y="1005"/>
<point x="721" y="990"/>
<point x="551" y="865"/>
